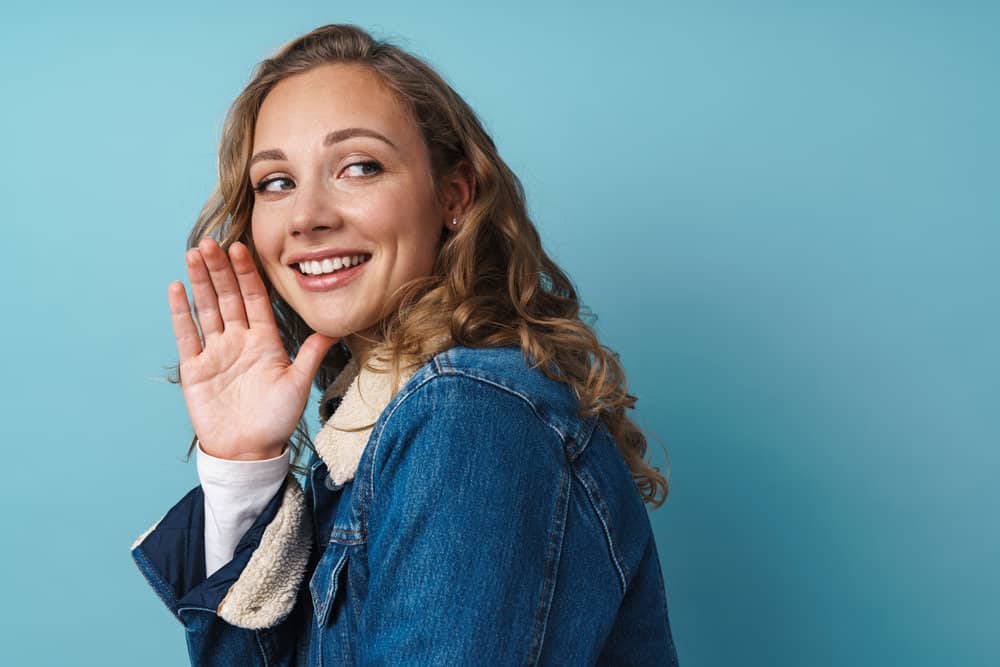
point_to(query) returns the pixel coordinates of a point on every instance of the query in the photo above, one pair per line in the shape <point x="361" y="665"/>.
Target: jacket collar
<point x="358" y="397"/>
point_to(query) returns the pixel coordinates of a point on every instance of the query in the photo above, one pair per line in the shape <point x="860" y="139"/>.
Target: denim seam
<point x="320" y="635"/>
<point x="345" y="537"/>
<point x="310" y="492"/>
<point x="368" y="494"/>
<point x="164" y="590"/>
<point x="582" y="438"/>
<point x="326" y="601"/>
<point x="534" y="409"/>
<point x="260" y="645"/>
<point x="442" y="360"/>
<point x="193" y="608"/>
<point x="597" y="503"/>
<point x="553" y="554"/>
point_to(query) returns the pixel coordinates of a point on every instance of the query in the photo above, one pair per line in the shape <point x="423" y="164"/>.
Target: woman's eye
<point x="364" y="169"/>
<point x="263" y="185"/>
<point x="372" y="166"/>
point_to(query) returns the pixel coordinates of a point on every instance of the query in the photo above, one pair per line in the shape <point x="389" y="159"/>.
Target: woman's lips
<point x="328" y="281"/>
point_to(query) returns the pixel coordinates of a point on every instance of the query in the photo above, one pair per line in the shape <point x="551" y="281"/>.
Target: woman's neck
<point x="360" y="344"/>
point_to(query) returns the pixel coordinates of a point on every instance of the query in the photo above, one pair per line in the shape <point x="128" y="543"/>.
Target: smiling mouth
<point x="330" y="265"/>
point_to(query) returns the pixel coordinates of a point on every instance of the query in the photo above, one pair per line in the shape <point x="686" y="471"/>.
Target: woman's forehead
<point x="328" y="98"/>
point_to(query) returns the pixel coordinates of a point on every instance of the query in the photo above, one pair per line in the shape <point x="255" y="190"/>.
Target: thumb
<point x="311" y="354"/>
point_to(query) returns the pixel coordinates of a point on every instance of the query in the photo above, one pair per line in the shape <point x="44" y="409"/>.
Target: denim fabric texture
<point x="487" y="524"/>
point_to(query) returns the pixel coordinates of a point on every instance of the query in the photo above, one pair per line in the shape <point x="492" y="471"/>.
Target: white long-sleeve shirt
<point x="236" y="492"/>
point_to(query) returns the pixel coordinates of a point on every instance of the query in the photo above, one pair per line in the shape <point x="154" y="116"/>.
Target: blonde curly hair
<point x="492" y="284"/>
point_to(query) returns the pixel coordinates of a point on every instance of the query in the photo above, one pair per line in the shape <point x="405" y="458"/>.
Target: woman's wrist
<point x="218" y="473"/>
<point x="269" y="454"/>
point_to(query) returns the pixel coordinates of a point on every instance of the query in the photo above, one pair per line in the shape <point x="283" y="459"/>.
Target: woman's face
<point x="340" y="170"/>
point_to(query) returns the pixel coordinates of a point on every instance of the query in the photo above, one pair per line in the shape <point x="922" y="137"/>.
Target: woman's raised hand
<point x="243" y="394"/>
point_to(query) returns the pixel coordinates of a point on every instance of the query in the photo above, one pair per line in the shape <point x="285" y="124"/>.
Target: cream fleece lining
<point x="341" y="441"/>
<point x="266" y="590"/>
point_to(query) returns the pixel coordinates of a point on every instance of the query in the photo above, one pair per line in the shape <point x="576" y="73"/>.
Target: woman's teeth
<point x="328" y="265"/>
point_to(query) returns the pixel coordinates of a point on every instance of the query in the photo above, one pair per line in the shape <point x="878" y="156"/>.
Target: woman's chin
<point x="350" y="336"/>
<point x="333" y="327"/>
<point x="337" y="333"/>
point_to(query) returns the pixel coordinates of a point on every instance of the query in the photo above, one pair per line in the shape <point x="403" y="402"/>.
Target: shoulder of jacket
<point x="507" y="368"/>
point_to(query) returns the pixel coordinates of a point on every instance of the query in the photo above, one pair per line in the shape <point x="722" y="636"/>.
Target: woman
<point x="475" y="494"/>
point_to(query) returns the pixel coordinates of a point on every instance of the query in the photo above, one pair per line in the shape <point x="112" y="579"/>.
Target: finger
<point x="206" y="305"/>
<point x="226" y="288"/>
<point x="255" y="299"/>
<point x="311" y="354"/>
<point x="186" y="333"/>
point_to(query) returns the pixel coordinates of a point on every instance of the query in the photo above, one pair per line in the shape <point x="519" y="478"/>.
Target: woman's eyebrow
<point x="330" y="139"/>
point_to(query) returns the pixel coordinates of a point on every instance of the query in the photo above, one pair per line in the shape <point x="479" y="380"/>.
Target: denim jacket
<point x="478" y="520"/>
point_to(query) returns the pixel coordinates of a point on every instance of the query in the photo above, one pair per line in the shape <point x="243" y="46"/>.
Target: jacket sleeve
<point x="252" y="610"/>
<point x="468" y="492"/>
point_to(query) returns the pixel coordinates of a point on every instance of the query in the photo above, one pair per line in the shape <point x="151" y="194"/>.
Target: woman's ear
<point x="458" y="191"/>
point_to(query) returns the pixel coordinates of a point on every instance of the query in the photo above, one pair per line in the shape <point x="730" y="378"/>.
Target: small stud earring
<point x="454" y="221"/>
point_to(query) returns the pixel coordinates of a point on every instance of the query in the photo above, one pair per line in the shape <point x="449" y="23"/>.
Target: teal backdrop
<point x="785" y="218"/>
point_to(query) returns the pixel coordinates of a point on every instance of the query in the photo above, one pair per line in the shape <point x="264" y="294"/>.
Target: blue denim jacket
<point x="487" y="523"/>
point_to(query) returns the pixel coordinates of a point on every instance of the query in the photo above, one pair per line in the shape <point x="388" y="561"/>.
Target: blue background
<point x="785" y="218"/>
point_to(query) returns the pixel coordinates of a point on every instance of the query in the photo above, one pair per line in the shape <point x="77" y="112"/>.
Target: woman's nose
<point x="314" y="210"/>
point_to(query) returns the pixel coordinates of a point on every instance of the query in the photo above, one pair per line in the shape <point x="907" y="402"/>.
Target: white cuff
<point x="236" y="492"/>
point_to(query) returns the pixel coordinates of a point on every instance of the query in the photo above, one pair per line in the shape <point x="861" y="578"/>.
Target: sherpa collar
<point x="363" y="395"/>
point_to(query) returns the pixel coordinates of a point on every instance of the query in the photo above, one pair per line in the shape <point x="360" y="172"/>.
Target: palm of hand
<point x="243" y="394"/>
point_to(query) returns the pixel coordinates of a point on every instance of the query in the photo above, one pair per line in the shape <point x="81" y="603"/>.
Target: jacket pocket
<point x="325" y="582"/>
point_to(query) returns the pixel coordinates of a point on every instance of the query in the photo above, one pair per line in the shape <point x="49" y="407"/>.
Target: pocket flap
<point x="325" y="580"/>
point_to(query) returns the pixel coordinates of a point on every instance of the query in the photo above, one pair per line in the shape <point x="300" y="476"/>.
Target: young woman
<point x="475" y="494"/>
